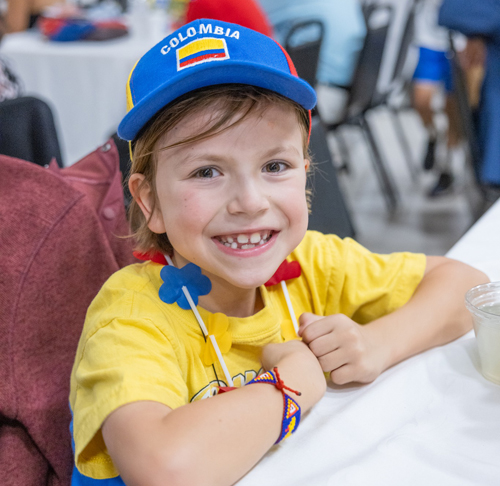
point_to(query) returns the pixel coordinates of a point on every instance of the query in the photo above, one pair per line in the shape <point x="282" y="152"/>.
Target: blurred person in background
<point x="480" y="20"/>
<point x="432" y="76"/>
<point x="22" y="14"/>
<point x="247" y="13"/>
<point x="345" y="30"/>
<point x="10" y="87"/>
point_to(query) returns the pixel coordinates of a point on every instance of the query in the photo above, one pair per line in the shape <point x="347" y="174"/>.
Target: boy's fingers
<point x="323" y="345"/>
<point x="342" y="375"/>
<point x="315" y="329"/>
<point x="334" y="360"/>
<point x="307" y="318"/>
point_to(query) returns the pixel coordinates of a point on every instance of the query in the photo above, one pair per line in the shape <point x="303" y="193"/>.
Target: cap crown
<point x="207" y="53"/>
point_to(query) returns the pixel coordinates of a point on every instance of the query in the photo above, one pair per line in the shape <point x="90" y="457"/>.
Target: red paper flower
<point x="286" y="271"/>
<point x="154" y="256"/>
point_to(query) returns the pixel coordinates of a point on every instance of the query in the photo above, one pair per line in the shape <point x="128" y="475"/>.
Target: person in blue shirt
<point x="432" y="80"/>
<point x="481" y="18"/>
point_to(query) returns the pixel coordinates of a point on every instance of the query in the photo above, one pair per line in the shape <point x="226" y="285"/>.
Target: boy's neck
<point x="239" y="303"/>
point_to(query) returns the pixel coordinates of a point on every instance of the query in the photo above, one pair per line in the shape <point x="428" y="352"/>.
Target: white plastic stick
<point x="195" y="310"/>
<point x="290" y="308"/>
<point x="210" y="336"/>
<point x="229" y="380"/>
<point x="221" y="360"/>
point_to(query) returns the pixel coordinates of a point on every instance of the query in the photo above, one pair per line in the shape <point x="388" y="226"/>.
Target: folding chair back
<point x="406" y="42"/>
<point x="466" y="119"/>
<point x="305" y="53"/>
<point x="364" y="85"/>
<point x="28" y="132"/>
<point x="329" y="210"/>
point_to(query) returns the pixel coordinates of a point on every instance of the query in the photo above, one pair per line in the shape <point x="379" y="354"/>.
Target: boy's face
<point x="234" y="204"/>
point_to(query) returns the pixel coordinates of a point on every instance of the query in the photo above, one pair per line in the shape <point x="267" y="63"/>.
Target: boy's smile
<point x="235" y="203"/>
<point x="245" y="241"/>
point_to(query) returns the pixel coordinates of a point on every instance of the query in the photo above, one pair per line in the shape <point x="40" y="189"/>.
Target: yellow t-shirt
<point x="135" y="347"/>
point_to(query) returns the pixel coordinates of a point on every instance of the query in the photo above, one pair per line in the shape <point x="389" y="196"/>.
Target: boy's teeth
<point x="254" y="238"/>
<point x="245" y="242"/>
<point x="242" y="239"/>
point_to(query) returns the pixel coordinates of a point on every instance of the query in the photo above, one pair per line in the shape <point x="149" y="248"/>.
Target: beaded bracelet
<point x="291" y="409"/>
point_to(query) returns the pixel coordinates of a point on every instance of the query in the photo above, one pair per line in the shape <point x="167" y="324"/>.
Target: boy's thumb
<point x="308" y="318"/>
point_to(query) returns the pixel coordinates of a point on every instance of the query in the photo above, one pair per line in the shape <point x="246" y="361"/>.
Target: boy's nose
<point x="248" y="198"/>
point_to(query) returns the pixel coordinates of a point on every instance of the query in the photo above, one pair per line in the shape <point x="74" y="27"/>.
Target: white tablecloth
<point x="84" y="82"/>
<point x="432" y="420"/>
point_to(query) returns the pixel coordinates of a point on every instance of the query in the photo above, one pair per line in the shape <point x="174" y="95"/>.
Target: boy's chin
<point x="249" y="282"/>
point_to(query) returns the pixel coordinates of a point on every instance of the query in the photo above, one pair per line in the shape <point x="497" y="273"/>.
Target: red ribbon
<point x="154" y="256"/>
<point x="286" y="271"/>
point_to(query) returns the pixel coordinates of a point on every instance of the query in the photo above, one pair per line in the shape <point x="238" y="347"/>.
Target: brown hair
<point x="230" y="100"/>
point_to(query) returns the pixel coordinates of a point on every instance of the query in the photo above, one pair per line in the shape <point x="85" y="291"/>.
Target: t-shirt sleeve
<point x="343" y="277"/>
<point x="124" y="361"/>
<point x="366" y="285"/>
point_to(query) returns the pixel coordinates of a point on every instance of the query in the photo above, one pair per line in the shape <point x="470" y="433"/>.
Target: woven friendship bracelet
<point x="291" y="409"/>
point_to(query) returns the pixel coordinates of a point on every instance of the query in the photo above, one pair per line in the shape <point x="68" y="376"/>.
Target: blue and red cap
<point x="208" y="53"/>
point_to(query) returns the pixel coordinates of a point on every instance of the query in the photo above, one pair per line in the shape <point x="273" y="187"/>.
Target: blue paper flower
<point x="189" y="276"/>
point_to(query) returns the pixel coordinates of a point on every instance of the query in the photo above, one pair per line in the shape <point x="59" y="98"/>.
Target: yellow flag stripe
<point x="200" y="45"/>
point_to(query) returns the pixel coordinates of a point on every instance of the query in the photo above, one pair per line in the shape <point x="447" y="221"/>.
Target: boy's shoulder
<point x="126" y="293"/>
<point x="316" y="245"/>
<point x="135" y="277"/>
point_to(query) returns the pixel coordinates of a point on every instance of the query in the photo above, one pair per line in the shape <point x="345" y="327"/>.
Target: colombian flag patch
<point x="200" y="51"/>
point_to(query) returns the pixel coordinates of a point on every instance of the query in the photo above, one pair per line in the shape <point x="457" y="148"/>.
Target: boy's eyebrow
<point x="278" y="150"/>
<point x="203" y="156"/>
<point x="213" y="157"/>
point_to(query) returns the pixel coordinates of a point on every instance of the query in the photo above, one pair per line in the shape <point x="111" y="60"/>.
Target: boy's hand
<point x="298" y="368"/>
<point x="343" y="348"/>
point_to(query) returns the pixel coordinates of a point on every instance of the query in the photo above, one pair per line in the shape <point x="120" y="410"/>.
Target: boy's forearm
<point x="208" y="442"/>
<point x="435" y="315"/>
<point x="218" y="440"/>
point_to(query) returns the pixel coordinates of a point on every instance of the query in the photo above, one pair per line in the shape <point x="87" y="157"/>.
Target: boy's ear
<point x="143" y="195"/>
<point x="307" y="164"/>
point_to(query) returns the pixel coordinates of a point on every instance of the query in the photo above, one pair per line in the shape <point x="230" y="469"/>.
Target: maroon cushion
<point x="59" y="244"/>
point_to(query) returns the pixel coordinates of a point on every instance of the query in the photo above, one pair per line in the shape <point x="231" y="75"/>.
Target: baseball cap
<point x="206" y="53"/>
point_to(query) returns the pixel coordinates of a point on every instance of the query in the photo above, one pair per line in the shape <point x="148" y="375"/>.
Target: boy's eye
<point x="275" y="167"/>
<point x="207" y="173"/>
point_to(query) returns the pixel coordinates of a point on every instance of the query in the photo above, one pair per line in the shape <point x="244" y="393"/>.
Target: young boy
<point x="219" y="125"/>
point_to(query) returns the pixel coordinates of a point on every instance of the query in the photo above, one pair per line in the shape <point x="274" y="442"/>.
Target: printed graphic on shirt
<point x="200" y="51"/>
<point x="212" y="388"/>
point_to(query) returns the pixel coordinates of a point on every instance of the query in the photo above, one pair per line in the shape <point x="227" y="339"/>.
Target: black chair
<point x="401" y="83"/>
<point x="466" y="118"/>
<point x="329" y="212"/>
<point x="305" y="54"/>
<point x="28" y="132"/>
<point x="125" y="165"/>
<point x="363" y="93"/>
<point x="478" y="198"/>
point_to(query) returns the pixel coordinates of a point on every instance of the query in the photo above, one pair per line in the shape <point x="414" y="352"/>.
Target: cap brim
<point x="211" y="74"/>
